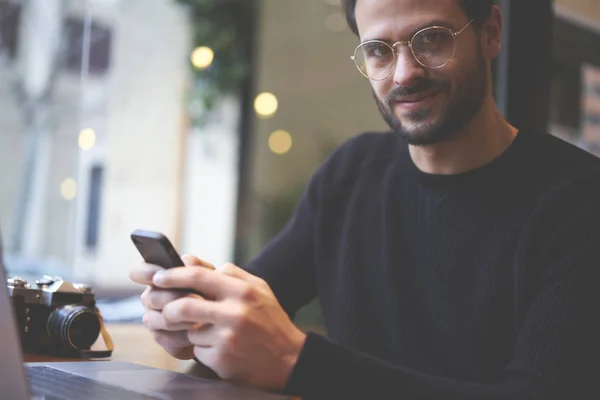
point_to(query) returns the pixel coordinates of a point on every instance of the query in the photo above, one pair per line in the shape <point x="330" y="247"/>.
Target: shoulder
<point x="565" y="181"/>
<point x="563" y="160"/>
<point x="556" y="166"/>
<point x="361" y="154"/>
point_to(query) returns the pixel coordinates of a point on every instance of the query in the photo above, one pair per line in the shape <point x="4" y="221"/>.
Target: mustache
<point x="424" y="85"/>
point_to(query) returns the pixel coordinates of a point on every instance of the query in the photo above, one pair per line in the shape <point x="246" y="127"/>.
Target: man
<point x="454" y="258"/>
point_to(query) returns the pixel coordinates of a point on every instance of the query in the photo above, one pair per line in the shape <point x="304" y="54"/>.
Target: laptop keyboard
<point x="52" y="384"/>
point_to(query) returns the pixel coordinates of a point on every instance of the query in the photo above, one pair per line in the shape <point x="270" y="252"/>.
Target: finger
<point x="156" y="299"/>
<point x="210" y="283"/>
<point x="208" y="335"/>
<point x="171" y="341"/>
<point x="201" y="334"/>
<point x="208" y="356"/>
<point x="193" y="261"/>
<point x="143" y="273"/>
<point x="154" y="321"/>
<point x="197" y="311"/>
<point x="232" y="270"/>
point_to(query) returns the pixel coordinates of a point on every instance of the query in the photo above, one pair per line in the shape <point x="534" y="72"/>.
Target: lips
<point x="415" y="102"/>
<point x="416" y="98"/>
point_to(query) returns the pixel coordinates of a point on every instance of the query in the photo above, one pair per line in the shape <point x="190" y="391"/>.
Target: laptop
<point x="97" y="380"/>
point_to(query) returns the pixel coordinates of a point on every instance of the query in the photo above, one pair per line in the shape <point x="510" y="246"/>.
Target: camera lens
<point x="74" y="326"/>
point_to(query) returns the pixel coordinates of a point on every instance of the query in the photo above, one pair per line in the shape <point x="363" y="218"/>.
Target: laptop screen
<point x="12" y="374"/>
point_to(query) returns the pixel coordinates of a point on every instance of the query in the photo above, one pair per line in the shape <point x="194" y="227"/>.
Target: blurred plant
<point x="225" y="27"/>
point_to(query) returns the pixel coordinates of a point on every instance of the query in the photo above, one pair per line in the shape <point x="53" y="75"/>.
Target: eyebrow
<point x="429" y="24"/>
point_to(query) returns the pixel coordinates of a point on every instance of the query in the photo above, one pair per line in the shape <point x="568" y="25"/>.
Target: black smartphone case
<point x="156" y="249"/>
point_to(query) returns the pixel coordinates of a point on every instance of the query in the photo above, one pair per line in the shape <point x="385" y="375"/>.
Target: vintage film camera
<point x="58" y="318"/>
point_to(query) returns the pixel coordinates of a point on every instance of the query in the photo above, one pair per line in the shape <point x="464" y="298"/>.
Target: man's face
<point x="424" y="105"/>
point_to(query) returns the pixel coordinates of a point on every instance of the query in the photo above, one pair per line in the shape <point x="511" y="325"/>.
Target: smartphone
<point x="156" y="249"/>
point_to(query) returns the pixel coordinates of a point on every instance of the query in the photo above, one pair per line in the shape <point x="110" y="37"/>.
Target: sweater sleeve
<point x="556" y="353"/>
<point x="287" y="263"/>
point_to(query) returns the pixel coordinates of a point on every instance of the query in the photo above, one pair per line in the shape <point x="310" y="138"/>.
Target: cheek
<point x="450" y="82"/>
<point x="381" y="89"/>
<point x="464" y="76"/>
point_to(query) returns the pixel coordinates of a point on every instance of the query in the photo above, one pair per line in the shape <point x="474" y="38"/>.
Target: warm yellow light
<point x="266" y="104"/>
<point x="336" y="22"/>
<point x="87" y="139"/>
<point x="202" y="57"/>
<point x="280" y="142"/>
<point x="68" y="189"/>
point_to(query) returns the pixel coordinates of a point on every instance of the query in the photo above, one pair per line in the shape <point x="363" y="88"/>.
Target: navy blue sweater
<point x="481" y="285"/>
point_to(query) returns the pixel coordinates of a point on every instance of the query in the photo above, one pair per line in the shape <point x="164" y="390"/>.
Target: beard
<point x="457" y="113"/>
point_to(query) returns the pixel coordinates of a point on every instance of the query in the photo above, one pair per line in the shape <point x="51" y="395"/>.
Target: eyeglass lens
<point x="432" y="47"/>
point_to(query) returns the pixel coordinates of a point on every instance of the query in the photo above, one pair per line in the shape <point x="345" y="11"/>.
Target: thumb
<point x="193" y="261"/>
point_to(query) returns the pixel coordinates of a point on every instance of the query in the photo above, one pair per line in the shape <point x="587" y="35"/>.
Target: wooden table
<point x="133" y="343"/>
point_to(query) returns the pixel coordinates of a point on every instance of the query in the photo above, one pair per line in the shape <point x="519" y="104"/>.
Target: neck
<point x="478" y="143"/>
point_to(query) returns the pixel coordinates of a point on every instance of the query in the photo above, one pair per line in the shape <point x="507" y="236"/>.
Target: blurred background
<point x="204" y="119"/>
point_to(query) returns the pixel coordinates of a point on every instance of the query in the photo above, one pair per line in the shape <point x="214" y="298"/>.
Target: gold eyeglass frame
<point x="409" y="44"/>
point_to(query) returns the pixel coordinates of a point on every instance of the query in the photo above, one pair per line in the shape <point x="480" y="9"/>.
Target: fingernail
<point x="159" y="276"/>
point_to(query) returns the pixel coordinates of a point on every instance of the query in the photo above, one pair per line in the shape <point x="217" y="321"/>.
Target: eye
<point x="377" y="50"/>
<point x="433" y="37"/>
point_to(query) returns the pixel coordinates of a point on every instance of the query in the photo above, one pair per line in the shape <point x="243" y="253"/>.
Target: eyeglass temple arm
<point x="455" y="34"/>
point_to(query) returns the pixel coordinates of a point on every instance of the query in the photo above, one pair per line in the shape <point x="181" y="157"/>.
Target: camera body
<point x="55" y="317"/>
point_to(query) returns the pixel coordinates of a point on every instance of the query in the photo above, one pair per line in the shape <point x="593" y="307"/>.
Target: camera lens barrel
<point x="74" y="327"/>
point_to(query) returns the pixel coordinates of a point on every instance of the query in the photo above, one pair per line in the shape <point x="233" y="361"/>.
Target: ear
<point x="491" y="34"/>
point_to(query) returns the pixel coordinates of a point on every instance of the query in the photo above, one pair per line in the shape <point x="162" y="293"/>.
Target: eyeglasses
<point x="433" y="47"/>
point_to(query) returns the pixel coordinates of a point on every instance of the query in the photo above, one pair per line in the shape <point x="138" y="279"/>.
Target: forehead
<point x="395" y="19"/>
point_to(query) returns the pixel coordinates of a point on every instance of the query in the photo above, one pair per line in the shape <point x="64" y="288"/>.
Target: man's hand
<point x="172" y="337"/>
<point x="242" y="333"/>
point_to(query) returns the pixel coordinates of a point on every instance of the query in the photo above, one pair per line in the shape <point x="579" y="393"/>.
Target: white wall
<point x="146" y="131"/>
<point x="209" y="217"/>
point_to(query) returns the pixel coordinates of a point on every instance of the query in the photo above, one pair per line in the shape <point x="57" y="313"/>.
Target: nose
<point x="408" y="71"/>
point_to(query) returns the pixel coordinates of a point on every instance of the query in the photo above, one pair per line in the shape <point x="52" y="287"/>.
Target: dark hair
<point x="473" y="8"/>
